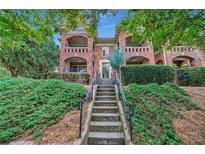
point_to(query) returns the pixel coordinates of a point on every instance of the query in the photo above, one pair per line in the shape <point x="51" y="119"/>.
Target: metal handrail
<point x="127" y="106"/>
<point x="88" y="97"/>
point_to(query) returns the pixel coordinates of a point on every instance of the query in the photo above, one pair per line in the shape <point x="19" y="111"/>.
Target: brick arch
<point x="183" y="58"/>
<point x="129" y="42"/>
<point x="75" y="55"/>
<point x="137" y="60"/>
<point x="79" y="41"/>
<point x="76" y="35"/>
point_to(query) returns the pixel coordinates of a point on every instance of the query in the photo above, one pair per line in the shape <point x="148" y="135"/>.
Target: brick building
<point x="82" y="53"/>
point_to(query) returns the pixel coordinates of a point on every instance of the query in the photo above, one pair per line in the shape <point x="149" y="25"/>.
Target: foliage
<point x="71" y="77"/>
<point x="167" y="27"/>
<point x="154" y="108"/>
<point x="196" y="76"/>
<point x="4" y="72"/>
<point x="29" y="106"/>
<point x="117" y="58"/>
<point x="37" y="25"/>
<point x="35" y="62"/>
<point x="144" y="74"/>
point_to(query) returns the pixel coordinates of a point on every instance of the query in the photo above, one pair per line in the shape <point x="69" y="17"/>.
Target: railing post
<point x="81" y="118"/>
<point x="130" y="112"/>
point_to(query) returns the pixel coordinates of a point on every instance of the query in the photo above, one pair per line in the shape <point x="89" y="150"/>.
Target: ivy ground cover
<point x="29" y="106"/>
<point x="155" y="106"/>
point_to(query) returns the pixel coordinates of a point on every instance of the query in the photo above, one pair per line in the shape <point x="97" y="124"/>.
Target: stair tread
<point x="106" y="114"/>
<point x="106" y="135"/>
<point x="106" y="96"/>
<point x="102" y="92"/>
<point x="109" y="88"/>
<point x="106" y="101"/>
<point x="105" y="123"/>
<point x="105" y="107"/>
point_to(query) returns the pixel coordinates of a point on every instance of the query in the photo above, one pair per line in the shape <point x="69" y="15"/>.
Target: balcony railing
<point x="183" y="49"/>
<point x="76" y="49"/>
<point x="136" y="49"/>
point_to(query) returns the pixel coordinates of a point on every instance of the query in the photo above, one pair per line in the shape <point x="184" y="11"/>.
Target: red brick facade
<point x="92" y="53"/>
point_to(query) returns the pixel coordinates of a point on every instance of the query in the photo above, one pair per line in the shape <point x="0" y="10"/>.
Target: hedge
<point x="144" y="74"/>
<point x="82" y="78"/>
<point x="28" y="106"/>
<point x="196" y="76"/>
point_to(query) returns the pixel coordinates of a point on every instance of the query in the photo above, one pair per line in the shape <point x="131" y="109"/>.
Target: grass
<point x="155" y="106"/>
<point x="29" y="106"/>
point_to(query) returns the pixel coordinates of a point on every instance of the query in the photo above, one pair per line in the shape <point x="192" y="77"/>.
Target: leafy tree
<point x="41" y="60"/>
<point x="167" y="28"/>
<point x="117" y="58"/>
<point x="35" y="61"/>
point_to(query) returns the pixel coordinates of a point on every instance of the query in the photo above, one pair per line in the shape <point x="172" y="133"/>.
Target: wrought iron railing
<point x="127" y="106"/>
<point x="88" y="98"/>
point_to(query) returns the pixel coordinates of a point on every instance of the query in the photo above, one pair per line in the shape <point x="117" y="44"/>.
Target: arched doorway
<point x="137" y="60"/>
<point x="77" y="41"/>
<point x="75" y="64"/>
<point x="184" y="61"/>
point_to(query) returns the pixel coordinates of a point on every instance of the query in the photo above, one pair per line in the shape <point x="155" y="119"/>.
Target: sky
<point x="107" y="25"/>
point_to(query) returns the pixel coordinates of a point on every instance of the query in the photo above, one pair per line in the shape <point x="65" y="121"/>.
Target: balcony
<point x="76" y="49"/>
<point x="183" y="49"/>
<point x="136" y="49"/>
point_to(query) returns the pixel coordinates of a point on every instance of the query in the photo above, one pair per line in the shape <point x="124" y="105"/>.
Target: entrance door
<point x="105" y="70"/>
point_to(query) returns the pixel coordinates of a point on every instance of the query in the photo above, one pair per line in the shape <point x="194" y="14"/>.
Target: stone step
<point x="105" y="93"/>
<point x="105" y="109"/>
<point x="105" y="97"/>
<point x="106" y="127"/>
<point x="105" y="103"/>
<point x="105" y="90"/>
<point x="106" y="138"/>
<point x="105" y="117"/>
<point x="105" y="86"/>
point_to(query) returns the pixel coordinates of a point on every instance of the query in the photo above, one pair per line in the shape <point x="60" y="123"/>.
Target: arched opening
<point x="130" y="43"/>
<point x="160" y="62"/>
<point x="75" y="64"/>
<point x="77" y="41"/>
<point x="137" y="60"/>
<point x="184" y="61"/>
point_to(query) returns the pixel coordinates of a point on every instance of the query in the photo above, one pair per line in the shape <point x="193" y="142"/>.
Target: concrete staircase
<point x="105" y="126"/>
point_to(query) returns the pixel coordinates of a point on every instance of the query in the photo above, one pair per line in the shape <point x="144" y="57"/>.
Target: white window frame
<point x="106" y="49"/>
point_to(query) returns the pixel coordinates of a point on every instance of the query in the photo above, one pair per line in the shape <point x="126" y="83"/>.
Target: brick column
<point x="62" y="55"/>
<point x="90" y="57"/>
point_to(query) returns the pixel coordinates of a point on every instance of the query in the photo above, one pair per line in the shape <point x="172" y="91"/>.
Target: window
<point x="105" y="51"/>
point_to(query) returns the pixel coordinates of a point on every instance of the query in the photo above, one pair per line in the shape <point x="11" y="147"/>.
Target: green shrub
<point x="72" y="77"/>
<point x="196" y="76"/>
<point x="144" y="74"/>
<point x="154" y="107"/>
<point x="4" y="72"/>
<point x="29" y="106"/>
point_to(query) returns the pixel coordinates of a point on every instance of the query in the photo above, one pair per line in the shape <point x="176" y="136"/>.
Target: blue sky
<point x="107" y="25"/>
